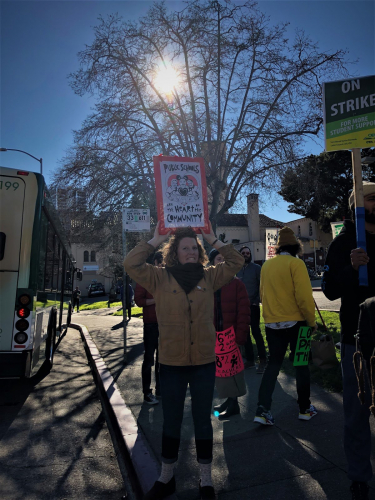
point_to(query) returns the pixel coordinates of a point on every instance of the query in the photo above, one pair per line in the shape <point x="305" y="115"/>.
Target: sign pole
<point x="359" y="210"/>
<point x="124" y="294"/>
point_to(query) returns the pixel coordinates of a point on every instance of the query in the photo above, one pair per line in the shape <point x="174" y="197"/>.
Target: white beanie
<point x="368" y="188"/>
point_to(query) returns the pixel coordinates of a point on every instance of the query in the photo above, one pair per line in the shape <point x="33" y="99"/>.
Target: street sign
<point x="136" y="220"/>
<point x="349" y="113"/>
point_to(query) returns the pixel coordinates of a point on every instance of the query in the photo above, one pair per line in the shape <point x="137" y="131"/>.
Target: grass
<point x="329" y="379"/>
<point x="137" y="312"/>
<point x="49" y="303"/>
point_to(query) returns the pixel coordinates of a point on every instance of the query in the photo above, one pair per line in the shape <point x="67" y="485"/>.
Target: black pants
<point x="174" y="381"/>
<point x="150" y="343"/>
<point x="257" y="334"/>
<point x="76" y="303"/>
<point x="278" y="341"/>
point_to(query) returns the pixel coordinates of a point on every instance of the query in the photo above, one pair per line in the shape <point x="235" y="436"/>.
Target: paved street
<point x="292" y="460"/>
<point x="54" y="440"/>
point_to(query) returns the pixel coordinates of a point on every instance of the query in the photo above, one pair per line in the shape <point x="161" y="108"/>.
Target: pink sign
<point x="228" y="357"/>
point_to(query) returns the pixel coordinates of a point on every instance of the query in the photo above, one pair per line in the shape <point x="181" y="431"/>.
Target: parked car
<point x="96" y="289"/>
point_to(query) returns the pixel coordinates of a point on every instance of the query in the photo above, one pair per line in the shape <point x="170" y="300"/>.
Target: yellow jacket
<point x="285" y="291"/>
<point x="187" y="334"/>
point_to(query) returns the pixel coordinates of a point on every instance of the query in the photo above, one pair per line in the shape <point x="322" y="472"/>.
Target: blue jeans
<point x="357" y="433"/>
<point x="174" y="381"/>
<point x="150" y="343"/>
<point x="278" y="341"/>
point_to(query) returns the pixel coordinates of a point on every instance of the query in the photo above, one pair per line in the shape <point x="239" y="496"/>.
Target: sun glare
<point x="166" y="80"/>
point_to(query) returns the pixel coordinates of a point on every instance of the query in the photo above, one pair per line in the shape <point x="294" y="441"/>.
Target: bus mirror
<point x="79" y="275"/>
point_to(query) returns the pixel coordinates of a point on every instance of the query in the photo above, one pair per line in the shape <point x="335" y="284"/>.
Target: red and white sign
<point x="271" y="241"/>
<point x="229" y="361"/>
<point x="181" y="193"/>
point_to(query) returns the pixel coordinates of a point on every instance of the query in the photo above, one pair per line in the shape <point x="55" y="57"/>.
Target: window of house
<point x="299" y="230"/>
<point x="310" y="229"/>
<point x="93" y="256"/>
<point x="235" y="241"/>
<point x="86" y="256"/>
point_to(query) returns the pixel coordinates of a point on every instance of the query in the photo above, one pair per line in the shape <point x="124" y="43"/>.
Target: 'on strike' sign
<point x="302" y="354"/>
<point x="228" y="357"/>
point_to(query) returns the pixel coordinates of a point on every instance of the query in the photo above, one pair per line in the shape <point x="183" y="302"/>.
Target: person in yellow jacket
<point x="288" y="304"/>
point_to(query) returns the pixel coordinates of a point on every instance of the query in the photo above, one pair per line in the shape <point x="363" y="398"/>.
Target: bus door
<point x="12" y="197"/>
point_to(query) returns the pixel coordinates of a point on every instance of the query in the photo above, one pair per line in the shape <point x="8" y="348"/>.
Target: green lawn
<point x="49" y="303"/>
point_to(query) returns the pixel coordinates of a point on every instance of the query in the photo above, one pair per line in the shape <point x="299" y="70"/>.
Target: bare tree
<point x="246" y="99"/>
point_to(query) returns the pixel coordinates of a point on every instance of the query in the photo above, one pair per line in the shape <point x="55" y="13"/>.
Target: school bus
<point x="36" y="275"/>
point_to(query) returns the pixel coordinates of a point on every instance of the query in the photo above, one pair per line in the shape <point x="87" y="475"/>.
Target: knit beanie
<point x="286" y="237"/>
<point x="212" y="255"/>
<point x="368" y="188"/>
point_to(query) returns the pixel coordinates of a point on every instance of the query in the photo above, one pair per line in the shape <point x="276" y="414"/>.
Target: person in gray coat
<point x="250" y="276"/>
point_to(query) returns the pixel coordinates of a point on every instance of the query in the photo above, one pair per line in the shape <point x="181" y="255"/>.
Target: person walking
<point x="145" y="300"/>
<point x="288" y="304"/>
<point x="250" y="276"/>
<point x="184" y="301"/>
<point x="232" y="308"/>
<point x="76" y="298"/>
<point x="340" y="280"/>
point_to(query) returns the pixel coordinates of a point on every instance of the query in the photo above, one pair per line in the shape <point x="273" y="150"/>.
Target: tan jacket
<point x="186" y="331"/>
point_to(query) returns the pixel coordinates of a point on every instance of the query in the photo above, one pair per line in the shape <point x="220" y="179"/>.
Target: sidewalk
<point x="54" y="439"/>
<point x="292" y="460"/>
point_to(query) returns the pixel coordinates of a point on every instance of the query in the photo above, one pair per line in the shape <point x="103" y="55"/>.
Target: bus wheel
<point x="51" y="342"/>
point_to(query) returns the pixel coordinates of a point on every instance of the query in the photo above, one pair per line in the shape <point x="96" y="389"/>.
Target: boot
<point x="222" y="407"/>
<point x="233" y="408"/>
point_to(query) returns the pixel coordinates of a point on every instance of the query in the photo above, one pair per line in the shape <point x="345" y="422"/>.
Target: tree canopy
<point x="318" y="187"/>
<point x="245" y="98"/>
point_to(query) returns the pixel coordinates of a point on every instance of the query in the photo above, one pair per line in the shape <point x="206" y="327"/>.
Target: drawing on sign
<point x="271" y="241"/>
<point x="181" y="193"/>
<point x="228" y="357"/>
<point x="302" y="354"/>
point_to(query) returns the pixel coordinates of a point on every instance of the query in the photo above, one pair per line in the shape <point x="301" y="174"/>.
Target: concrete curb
<point x="143" y="468"/>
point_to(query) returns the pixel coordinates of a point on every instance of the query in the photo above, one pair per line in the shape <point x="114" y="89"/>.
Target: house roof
<point x="240" y="220"/>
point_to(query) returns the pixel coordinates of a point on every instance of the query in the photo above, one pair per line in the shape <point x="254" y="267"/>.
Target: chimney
<point x="253" y="216"/>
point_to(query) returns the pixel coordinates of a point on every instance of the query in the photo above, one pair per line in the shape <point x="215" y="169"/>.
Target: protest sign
<point x="302" y="354"/>
<point x="349" y="113"/>
<point x="271" y="241"/>
<point x="228" y="357"/>
<point x="336" y="228"/>
<point x="181" y="193"/>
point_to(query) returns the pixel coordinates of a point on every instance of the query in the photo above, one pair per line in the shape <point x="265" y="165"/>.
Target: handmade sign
<point x="181" y="193"/>
<point x="228" y="357"/>
<point x="302" y="354"/>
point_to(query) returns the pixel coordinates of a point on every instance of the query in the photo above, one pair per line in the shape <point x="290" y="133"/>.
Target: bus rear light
<point x="19" y="346"/>
<point x="22" y="172"/>
<point x="23" y="312"/>
<point x="22" y="324"/>
<point x="24" y="299"/>
<point x="20" y="337"/>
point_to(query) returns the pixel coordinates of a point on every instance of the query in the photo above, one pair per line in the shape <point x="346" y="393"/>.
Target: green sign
<point x="349" y="113"/>
<point x="302" y="354"/>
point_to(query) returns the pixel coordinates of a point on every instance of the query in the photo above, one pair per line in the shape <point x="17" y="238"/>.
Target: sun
<point x="166" y="80"/>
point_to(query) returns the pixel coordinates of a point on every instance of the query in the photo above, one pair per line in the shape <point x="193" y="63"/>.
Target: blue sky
<point x="39" y="45"/>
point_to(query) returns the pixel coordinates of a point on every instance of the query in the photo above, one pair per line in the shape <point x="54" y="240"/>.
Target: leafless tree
<point x="246" y="99"/>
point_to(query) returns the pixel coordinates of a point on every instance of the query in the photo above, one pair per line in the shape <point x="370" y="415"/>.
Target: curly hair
<point x="170" y="248"/>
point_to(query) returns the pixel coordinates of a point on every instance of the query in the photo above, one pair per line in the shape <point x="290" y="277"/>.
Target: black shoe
<point x="161" y="490"/>
<point x="206" y="492"/>
<point x="233" y="408"/>
<point x="359" y="490"/>
<point x="222" y="407"/>
<point x="150" y="399"/>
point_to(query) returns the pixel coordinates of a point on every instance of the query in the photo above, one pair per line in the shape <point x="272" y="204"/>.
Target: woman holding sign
<point x="232" y="311"/>
<point x="288" y="305"/>
<point x="184" y="301"/>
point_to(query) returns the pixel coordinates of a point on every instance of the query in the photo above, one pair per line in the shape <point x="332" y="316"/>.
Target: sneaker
<point x="359" y="491"/>
<point x="261" y="367"/>
<point x="308" y="414"/>
<point x="150" y="399"/>
<point x="263" y="416"/>
<point x="161" y="490"/>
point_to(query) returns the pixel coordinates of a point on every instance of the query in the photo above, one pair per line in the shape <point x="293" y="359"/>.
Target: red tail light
<point x="22" y="172"/>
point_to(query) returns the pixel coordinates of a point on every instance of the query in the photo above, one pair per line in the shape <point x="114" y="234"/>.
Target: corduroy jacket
<point x="187" y="334"/>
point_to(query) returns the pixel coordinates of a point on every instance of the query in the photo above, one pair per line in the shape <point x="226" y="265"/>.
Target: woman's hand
<point x="158" y="239"/>
<point x="211" y="238"/>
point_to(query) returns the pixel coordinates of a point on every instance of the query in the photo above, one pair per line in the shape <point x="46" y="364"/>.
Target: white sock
<point x="166" y="472"/>
<point x="205" y="470"/>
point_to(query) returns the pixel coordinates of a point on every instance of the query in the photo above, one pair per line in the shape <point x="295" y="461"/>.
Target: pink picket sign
<point x="228" y="357"/>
